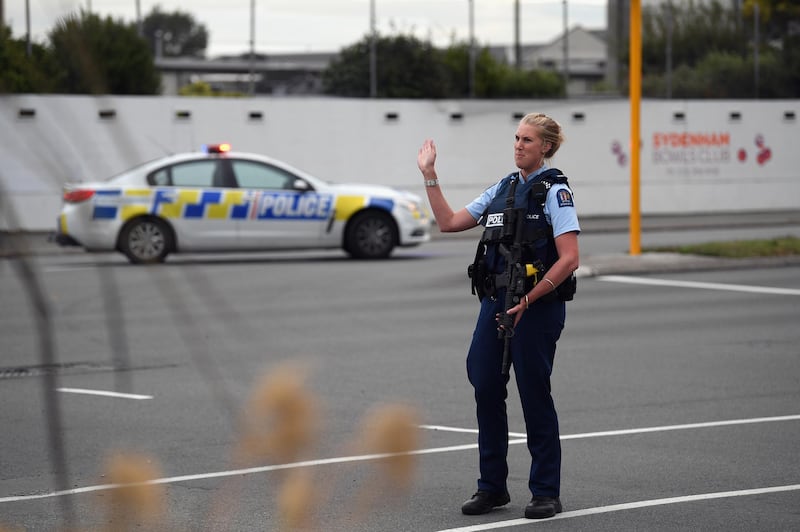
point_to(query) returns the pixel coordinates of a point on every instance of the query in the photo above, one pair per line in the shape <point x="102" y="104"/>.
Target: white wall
<point x="353" y="140"/>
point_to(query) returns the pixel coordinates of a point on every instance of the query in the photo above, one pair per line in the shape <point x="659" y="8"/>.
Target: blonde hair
<point x="549" y="129"/>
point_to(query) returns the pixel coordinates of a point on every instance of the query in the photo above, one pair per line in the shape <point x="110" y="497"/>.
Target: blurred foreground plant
<point x="281" y="417"/>
<point x="136" y="501"/>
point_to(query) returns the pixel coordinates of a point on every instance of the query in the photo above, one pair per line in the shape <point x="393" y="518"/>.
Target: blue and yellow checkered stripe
<point x="214" y="204"/>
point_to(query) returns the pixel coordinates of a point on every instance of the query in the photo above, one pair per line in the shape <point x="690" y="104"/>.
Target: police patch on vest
<point x="564" y="198"/>
<point x="495" y="220"/>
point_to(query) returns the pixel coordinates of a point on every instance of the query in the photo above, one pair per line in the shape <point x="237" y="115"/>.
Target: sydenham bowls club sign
<point x="705" y="153"/>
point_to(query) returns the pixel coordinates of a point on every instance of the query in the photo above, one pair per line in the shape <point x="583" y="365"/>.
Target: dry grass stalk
<point x="137" y="501"/>
<point x="393" y="430"/>
<point x="297" y="499"/>
<point x="280" y="420"/>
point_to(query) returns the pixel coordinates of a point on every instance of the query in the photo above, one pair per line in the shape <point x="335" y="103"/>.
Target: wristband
<point x="431" y="182"/>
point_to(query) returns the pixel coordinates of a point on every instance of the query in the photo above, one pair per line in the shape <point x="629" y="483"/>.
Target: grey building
<point x="280" y="74"/>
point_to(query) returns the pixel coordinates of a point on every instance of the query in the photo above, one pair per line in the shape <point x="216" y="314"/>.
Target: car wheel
<point x="371" y="235"/>
<point x="146" y="241"/>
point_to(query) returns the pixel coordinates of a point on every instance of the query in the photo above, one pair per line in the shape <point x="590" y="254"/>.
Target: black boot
<point x="543" y="507"/>
<point x="484" y="502"/>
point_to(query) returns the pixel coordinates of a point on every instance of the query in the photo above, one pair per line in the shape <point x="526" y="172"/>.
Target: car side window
<point x="201" y="174"/>
<point x="251" y="174"/>
<point x="195" y="174"/>
<point x="160" y="178"/>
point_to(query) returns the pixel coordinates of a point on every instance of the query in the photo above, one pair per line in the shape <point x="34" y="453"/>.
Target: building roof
<point x="298" y="62"/>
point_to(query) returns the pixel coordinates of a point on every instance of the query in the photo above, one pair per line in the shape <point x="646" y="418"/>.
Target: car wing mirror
<point x="301" y="185"/>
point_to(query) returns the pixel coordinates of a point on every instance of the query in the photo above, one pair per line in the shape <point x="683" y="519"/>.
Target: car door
<point x="198" y="198"/>
<point x="286" y="212"/>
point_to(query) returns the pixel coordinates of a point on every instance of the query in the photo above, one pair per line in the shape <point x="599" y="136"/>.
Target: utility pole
<point x="27" y="28"/>
<point x="252" y="89"/>
<point x="668" y="51"/>
<point x="755" y="47"/>
<point x="471" y="48"/>
<point x="566" y="51"/>
<point x="373" y="51"/>
<point x="517" y="37"/>
<point x="139" y="17"/>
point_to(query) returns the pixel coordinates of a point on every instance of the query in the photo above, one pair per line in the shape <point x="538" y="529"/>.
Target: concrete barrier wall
<point x="697" y="156"/>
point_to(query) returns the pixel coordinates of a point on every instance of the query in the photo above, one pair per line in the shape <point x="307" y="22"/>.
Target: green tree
<point x="504" y="81"/>
<point x="494" y="79"/>
<point x="176" y="34"/>
<point x="406" y="68"/>
<point x="790" y="59"/>
<point x="777" y="18"/>
<point x="102" y="56"/>
<point x="697" y="28"/>
<point x="410" y="68"/>
<point x="712" y="49"/>
<point x="21" y="73"/>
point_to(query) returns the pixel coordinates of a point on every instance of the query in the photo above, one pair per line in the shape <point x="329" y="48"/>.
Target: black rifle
<point x="515" y="272"/>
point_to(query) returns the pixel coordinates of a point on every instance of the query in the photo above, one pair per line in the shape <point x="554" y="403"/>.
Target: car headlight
<point x="413" y="207"/>
<point x="410" y="206"/>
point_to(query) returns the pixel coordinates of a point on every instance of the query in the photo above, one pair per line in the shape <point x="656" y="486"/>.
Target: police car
<point x="220" y="200"/>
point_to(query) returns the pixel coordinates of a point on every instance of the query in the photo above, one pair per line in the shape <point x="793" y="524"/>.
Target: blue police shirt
<point x="559" y="207"/>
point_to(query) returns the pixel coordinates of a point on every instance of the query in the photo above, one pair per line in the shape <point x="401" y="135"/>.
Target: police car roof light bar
<point x="217" y="148"/>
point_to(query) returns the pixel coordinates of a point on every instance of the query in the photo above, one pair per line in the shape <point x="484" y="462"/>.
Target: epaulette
<point x="552" y="176"/>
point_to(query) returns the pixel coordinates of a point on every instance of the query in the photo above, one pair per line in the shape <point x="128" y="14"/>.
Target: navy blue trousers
<point x="533" y="348"/>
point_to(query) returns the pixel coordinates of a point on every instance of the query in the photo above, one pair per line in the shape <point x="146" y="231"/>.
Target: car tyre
<point x="371" y="235"/>
<point x="146" y="241"/>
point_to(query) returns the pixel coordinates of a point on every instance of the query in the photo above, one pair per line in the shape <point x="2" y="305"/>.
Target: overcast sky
<point x="328" y="25"/>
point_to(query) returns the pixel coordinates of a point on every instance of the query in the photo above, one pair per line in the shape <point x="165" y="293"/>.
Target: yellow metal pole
<point x="635" y="76"/>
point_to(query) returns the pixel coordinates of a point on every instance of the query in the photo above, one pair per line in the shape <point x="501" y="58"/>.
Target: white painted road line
<point x="626" y="506"/>
<point x="362" y="458"/>
<point x="702" y="286"/>
<point x="105" y="393"/>
<point x="468" y="431"/>
<point x="643" y="430"/>
<point x="687" y="426"/>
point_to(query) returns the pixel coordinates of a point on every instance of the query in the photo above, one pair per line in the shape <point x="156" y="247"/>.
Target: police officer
<point x="552" y="228"/>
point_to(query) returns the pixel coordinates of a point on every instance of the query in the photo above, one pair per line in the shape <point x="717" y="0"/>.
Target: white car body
<point x="235" y="202"/>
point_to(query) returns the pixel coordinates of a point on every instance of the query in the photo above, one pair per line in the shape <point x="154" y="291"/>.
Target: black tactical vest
<point x="536" y="239"/>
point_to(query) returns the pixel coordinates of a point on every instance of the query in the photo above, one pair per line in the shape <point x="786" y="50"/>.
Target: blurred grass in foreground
<point x="739" y="249"/>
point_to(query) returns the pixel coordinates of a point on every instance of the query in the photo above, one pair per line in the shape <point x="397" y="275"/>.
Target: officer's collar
<point x="532" y="174"/>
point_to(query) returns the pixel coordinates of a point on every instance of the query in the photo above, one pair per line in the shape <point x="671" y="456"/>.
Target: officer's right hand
<point x="426" y="158"/>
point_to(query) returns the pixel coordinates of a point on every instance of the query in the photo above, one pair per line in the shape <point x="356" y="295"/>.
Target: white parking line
<point x="687" y="426"/>
<point x="643" y="430"/>
<point x="703" y="286"/>
<point x="362" y="458"/>
<point x="105" y="393"/>
<point x="626" y="506"/>
<point x="444" y="428"/>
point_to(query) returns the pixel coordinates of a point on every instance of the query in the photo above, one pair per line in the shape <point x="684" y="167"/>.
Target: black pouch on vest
<point x="478" y="274"/>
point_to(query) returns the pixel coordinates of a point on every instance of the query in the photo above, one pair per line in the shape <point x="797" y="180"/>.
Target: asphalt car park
<point x="677" y="401"/>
